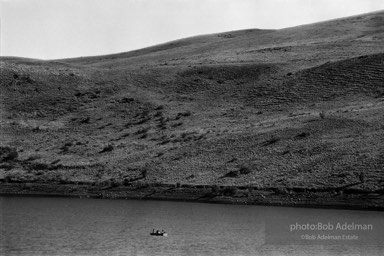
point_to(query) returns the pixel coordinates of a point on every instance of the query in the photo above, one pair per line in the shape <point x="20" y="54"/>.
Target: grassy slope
<point x="195" y="109"/>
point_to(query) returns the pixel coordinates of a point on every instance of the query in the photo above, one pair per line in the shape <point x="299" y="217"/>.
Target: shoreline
<point x="202" y="194"/>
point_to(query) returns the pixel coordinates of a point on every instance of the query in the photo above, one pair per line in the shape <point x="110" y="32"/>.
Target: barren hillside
<point x="296" y="107"/>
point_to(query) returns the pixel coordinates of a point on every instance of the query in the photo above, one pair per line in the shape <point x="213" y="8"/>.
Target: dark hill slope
<point x="362" y="76"/>
<point x="297" y="107"/>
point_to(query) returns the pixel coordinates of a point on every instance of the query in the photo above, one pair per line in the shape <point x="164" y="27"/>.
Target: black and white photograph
<point x="192" y="127"/>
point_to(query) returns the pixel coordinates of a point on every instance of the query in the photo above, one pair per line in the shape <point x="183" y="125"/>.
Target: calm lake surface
<point x="66" y="226"/>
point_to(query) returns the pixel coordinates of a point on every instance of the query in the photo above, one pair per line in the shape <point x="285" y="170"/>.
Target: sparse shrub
<point x="161" y="107"/>
<point x="322" y="114"/>
<point x="177" y="158"/>
<point x="68" y="144"/>
<point x="246" y="193"/>
<point x="232" y="160"/>
<point x="302" y="135"/>
<point x="162" y="123"/>
<point x="145" y="112"/>
<point x="232" y="174"/>
<point x="36" y="129"/>
<point x="281" y="191"/>
<point x="178" y="185"/>
<point x="285" y="152"/>
<point x="165" y="141"/>
<point x="55" y="161"/>
<point x="114" y="183"/>
<point x="230" y="191"/>
<point x="39" y="166"/>
<point x="162" y="119"/>
<point x="78" y="94"/>
<point x="127" y="100"/>
<point x="143" y="130"/>
<point x="177" y="124"/>
<point x="271" y="141"/>
<point x="27" y="79"/>
<point x="158" y="114"/>
<point x="379" y="93"/>
<point x="185" y="113"/>
<point x="143" y="136"/>
<point x="125" y="135"/>
<point x="7" y="166"/>
<point x="125" y="182"/>
<point x="191" y="176"/>
<point x="8" y="154"/>
<point x="65" y="148"/>
<point x="250" y="188"/>
<point x="85" y="120"/>
<point x="63" y="180"/>
<point x="215" y="190"/>
<point x="362" y="177"/>
<point x="107" y="183"/>
<point x="144" y="173"/>
<point x="8" y="179"/>
<point x="13" y="155"/>
<point x="143" y="120"/>
<point x="244" y="169"/>
<point x="107" y="148"/>
<point x="141" y="184"/>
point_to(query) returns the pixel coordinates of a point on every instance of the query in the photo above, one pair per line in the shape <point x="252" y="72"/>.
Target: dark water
<point x="63" y="226"/>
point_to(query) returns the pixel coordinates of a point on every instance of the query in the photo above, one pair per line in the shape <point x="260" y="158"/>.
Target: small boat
<point x="158" y="233"/>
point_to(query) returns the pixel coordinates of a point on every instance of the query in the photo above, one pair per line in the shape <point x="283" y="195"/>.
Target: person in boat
<point x="157" y="231"/>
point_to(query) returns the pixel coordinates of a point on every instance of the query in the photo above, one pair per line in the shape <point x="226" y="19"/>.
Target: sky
<point x="53" y="29"/>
